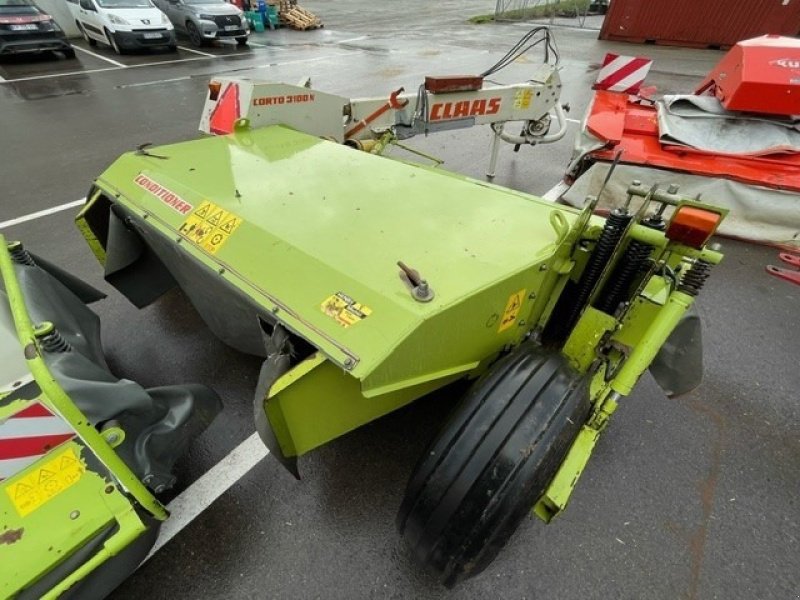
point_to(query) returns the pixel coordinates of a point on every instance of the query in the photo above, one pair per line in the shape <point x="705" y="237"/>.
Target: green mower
<point x="367" y="283"/>
<point x="83" y="453"/>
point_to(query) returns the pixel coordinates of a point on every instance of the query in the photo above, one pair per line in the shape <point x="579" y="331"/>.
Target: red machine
<point x="758" y="81"/>
<point x="761" y="75"/>
<point x="630" y="125"/>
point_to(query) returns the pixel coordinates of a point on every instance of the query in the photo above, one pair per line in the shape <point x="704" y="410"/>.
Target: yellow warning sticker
<point x="40" y="485"/>
<point x="345" y="310"/>
<point x="511" y="312"/>
<point x="522" y="99"/>
<point x="209" y="226"/>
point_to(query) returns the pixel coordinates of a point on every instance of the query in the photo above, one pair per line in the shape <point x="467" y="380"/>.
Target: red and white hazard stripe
<point x="28" y="435"/>
<point x="622" y="73"/>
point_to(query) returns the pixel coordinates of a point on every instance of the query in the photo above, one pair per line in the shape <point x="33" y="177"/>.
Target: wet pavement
<point x="694" y="497"/>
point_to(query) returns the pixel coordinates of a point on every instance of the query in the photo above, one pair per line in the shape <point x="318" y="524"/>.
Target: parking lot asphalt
<point x="693" y="497"/>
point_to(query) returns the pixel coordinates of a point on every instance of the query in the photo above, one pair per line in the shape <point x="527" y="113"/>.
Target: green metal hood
<point x="307" y="219"/>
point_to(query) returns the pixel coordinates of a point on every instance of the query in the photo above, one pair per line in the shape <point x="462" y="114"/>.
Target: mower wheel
<point x="492" y="461"/>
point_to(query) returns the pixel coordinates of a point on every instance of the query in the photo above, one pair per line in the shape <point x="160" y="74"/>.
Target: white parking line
<point x="192" y="501"/>
<point x="355" y="39"/>
<point x="41" y="213"/>
<point x="555" y="192"/>
<point x="185" y="49"/>
<point x="146" y="83"/>
<point x="109" y="60"/>
<point x="2" y="79"/>
<point x="300" y="60"/>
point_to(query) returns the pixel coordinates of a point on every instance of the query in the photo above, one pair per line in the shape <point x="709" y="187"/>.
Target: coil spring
<point x="629" y="267"/>
<point x="20" y="255"/>
<point x="694" y="279"/>
<point x="571" y="305"/>
<point x="53" y="341"/>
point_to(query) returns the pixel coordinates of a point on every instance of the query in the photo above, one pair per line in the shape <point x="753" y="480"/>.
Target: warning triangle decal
<point x="202" y="212"/>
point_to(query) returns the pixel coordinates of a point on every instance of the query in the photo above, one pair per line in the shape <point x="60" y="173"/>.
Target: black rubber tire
<point x="172" y="48"/>
<point x="194" y="35"/>
<point x="69" y="52"/>
<point x="492" y="461"/>
<point x="241" y="41"/>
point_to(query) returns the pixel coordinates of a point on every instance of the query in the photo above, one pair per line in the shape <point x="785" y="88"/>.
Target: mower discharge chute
<point x="367" y="283"/>
<point x="82" y="453"/>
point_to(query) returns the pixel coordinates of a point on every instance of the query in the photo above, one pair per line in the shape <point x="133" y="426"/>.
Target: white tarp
<point x="701" y="122"/>
<point x="756" y="213"/>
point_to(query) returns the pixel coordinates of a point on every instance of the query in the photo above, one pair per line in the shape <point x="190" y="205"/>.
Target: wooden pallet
<point x="294" y="16"/>
<point x="298" y="18"/>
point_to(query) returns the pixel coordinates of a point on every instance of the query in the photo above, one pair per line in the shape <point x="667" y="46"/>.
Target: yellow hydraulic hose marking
<point x="344" y="309"/>
<point x="40" y="485"/>
<point x="511" y="312"/>
<point x="209" y="226"/>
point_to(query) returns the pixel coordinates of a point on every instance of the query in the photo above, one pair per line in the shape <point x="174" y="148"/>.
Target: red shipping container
<point x="699" y="23"/>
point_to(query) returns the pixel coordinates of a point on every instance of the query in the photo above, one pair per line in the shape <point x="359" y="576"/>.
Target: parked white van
<point x="123" y="24"/>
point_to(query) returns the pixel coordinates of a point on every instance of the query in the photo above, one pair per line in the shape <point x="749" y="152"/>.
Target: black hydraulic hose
<point x="574" y="297"/>
<point x="523" y="45"/>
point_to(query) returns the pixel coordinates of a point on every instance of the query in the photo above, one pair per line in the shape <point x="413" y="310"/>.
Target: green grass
<point x="537" y="12"/>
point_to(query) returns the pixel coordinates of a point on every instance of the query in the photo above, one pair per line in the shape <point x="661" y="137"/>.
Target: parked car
<point x="24" y="27"/>
<point x="123" y="24"/>
<point x="207" y="20"/>
<point x="599" y="6"/>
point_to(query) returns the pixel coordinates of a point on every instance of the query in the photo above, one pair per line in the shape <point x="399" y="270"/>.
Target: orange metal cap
<point x="692" y="226"/>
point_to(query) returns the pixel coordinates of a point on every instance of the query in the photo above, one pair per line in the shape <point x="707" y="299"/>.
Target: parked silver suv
<point x="206" y="20"/>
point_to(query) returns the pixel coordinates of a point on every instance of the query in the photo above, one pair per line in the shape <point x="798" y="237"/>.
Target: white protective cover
<point x="756" y="213"/>
<point x="701" y="122"/>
